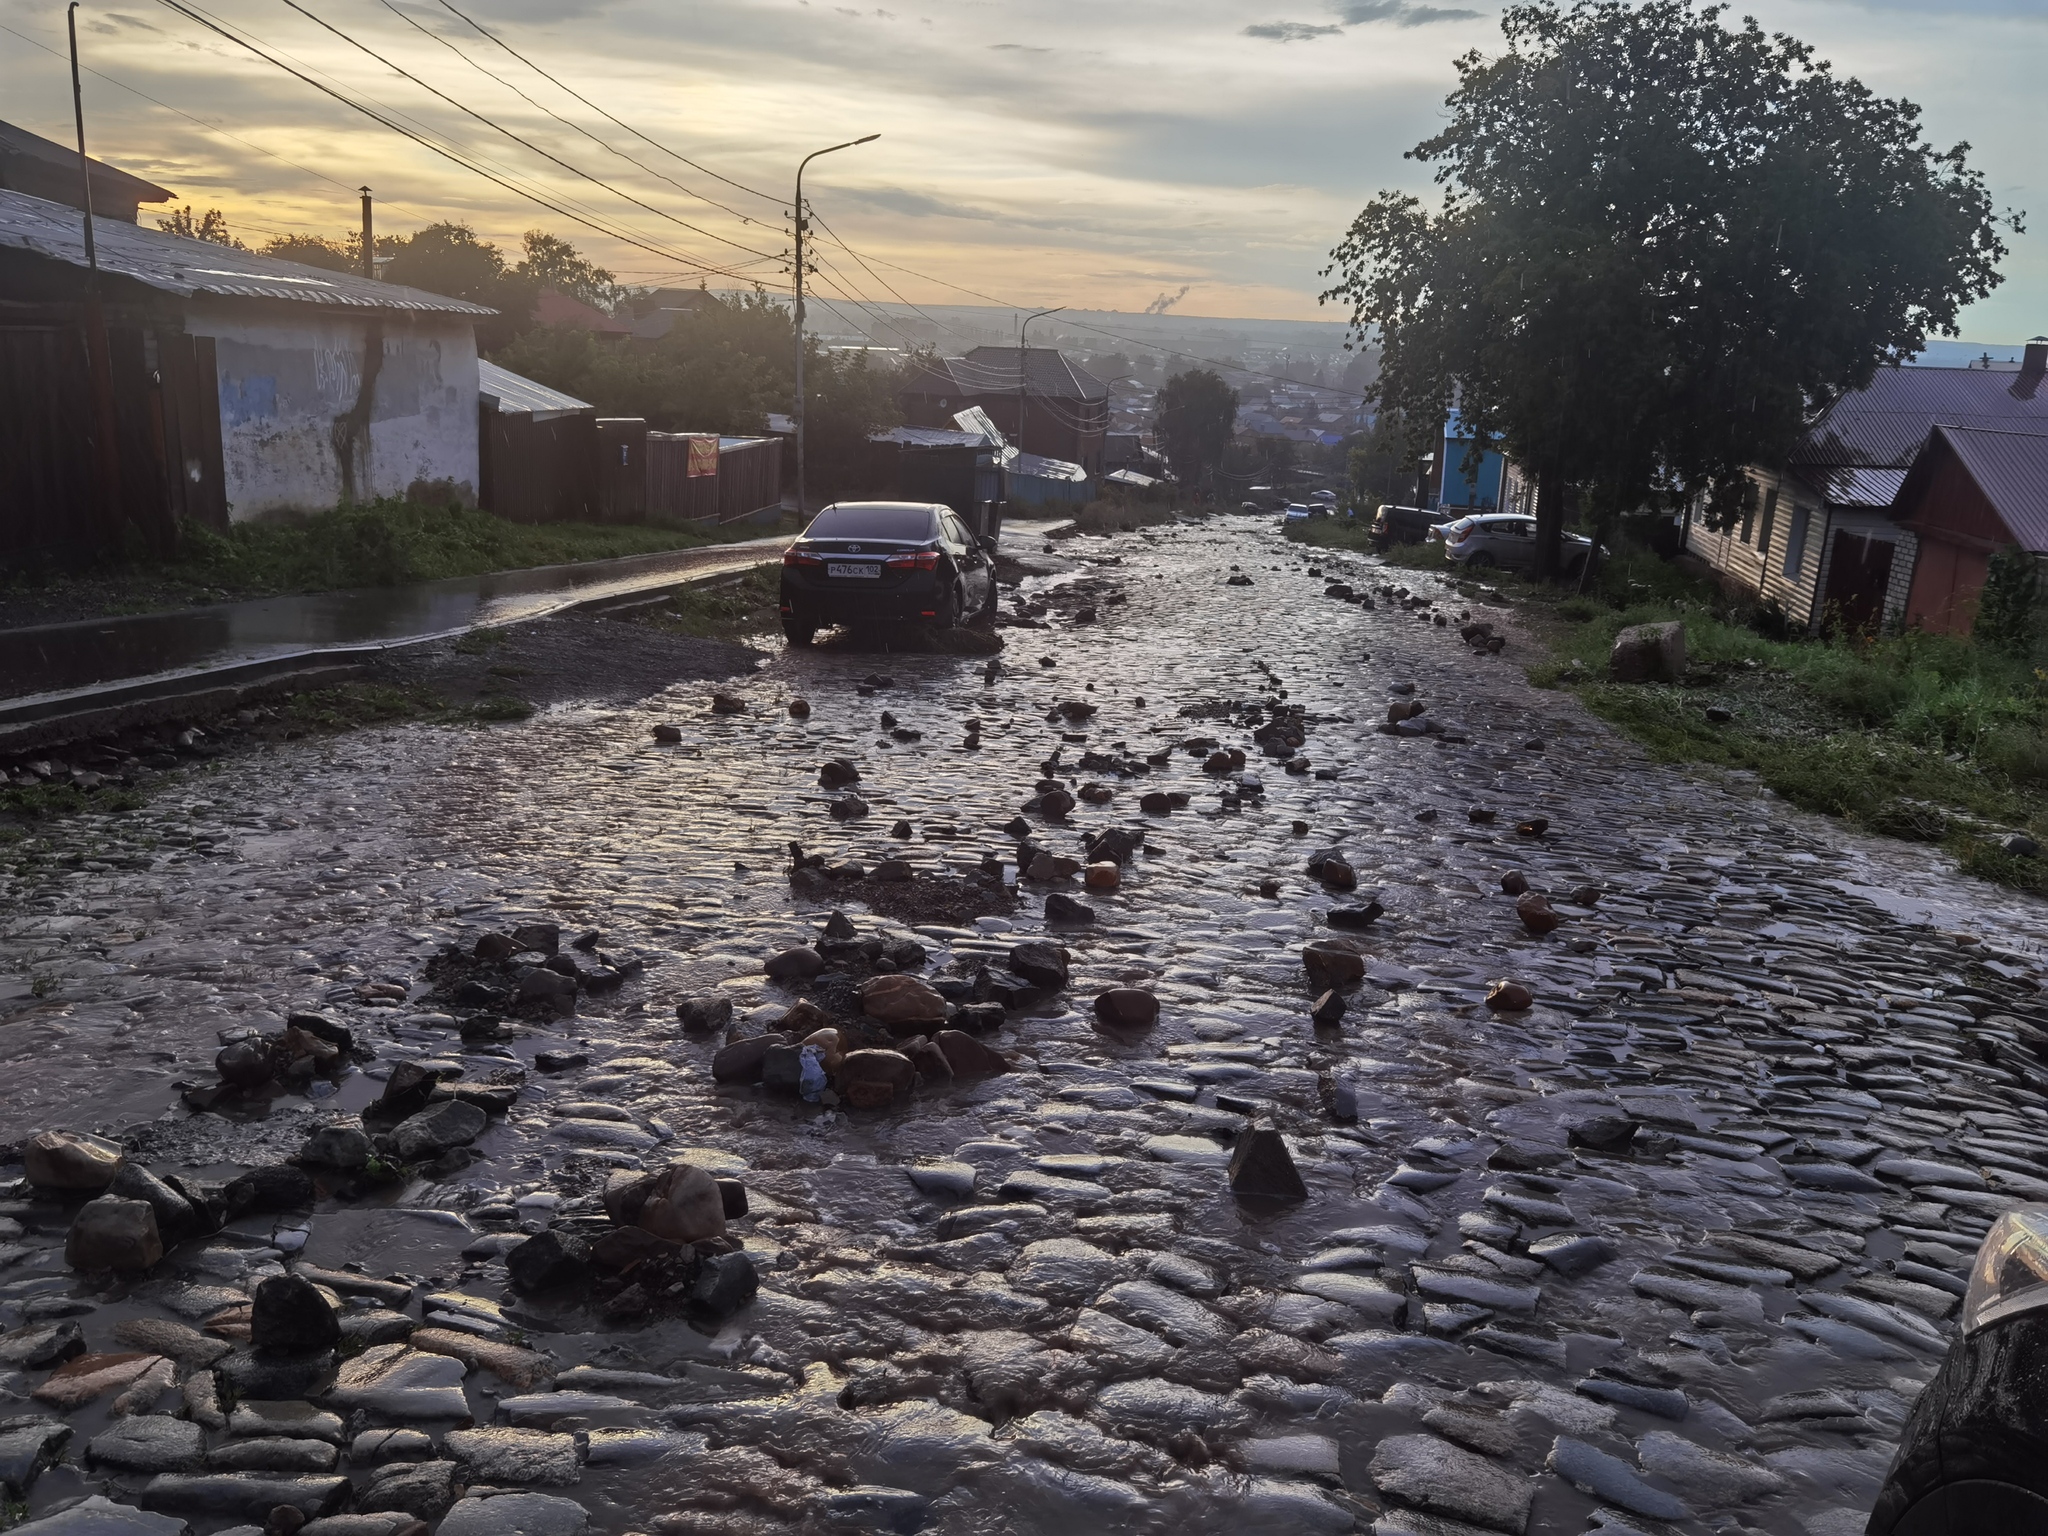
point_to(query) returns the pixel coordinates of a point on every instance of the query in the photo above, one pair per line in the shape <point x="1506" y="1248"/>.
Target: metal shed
<point x="243" y="385"/>
<point x="536" y="449"/>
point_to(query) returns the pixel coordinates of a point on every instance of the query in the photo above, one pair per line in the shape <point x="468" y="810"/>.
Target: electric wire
<point x="575" y="127"/>
<point x="779" y="201"/>
<point x="209" y="127"/>
<point x="518" y="139"/>
<point x="390" y="121"/>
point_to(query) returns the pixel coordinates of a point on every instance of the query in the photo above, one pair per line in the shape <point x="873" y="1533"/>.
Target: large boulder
<point x="1649" y="653"/>
<point x="112" y="1233"/>
<point x="872" y="1079"/>
<point x="683" y="1205"/>
<point x="291" y="1317"/>
<point x="70" y="1160"/>
<point x="895" y="1000"/>
<point x="1040" y="963"/>
<point x="433" y="1131"/>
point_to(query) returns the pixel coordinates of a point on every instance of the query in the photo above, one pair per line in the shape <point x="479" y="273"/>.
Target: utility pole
<point x="797" y="291"/>
<point x="98" y="360"/>
<point x="1023" y="338"/>
<point x="369" y="240"/>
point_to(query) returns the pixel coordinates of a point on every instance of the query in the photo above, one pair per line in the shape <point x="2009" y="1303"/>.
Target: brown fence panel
<point x="538" y="471"/>
<point x="47" y="489"/>
<point x="749" y="479"/>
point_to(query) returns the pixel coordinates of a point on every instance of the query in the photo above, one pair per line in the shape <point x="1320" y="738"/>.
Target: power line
<point x="387" y="120"/>
<point x="1133" y="341"/>
<point x="575" y="127"/>
<point x="600" y="111"/>
<point x="209" y="127"/>
<point x="518" y="139"/>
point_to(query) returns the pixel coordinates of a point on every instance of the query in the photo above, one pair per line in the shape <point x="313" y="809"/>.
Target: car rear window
<point x="907" y="523"/>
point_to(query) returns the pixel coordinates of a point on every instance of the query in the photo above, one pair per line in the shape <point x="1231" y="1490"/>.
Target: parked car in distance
<point x="1507" y="540"/>
<point x="885" y="562"/>
<point x="1402" y="525"/>
<point x="1327" y="498"/>
<point x="1296" y="512"/>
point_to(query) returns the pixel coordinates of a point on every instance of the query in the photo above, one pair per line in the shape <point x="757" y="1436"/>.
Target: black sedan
<point x="882" y="562"/>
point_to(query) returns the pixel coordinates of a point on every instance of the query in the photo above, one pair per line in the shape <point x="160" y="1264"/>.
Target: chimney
<point x="2033" y="364"/>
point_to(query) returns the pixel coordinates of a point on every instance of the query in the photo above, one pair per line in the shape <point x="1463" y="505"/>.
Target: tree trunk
<point x="1549" y="522"/>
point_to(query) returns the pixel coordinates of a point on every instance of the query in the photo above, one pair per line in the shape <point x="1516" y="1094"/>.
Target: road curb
<point x="121" y="705"/>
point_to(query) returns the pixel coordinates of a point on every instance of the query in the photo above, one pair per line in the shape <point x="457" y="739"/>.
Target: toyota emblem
<point x="853" y="549"/>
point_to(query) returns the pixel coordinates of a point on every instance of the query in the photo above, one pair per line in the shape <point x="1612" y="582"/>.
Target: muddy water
<point x="1785" y="1013"/>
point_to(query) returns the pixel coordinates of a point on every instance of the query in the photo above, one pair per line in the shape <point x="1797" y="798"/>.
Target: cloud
<point x="1357" y="13"/>
<point x="915" y="205"/>
<point x="1015" y="48"/>
<point x="1289" y="31"/>
<point x="1403" y="13"/>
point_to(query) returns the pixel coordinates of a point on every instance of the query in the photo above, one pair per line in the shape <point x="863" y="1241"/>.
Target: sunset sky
<point x="1032" y="151"/>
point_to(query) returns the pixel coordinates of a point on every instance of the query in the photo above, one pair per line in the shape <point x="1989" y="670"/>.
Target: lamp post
<point x="98" y="359"/>
<point x="1023" y="338"/>
<point x="798" y="292"/>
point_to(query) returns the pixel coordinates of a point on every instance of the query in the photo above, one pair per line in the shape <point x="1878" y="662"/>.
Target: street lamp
<point x="1023" y="338"/>
<point x="801" y="509"/>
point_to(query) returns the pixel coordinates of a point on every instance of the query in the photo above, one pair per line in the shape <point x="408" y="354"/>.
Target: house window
<point x="1763" y="538"/>
<point x="1795" y="544"/>
<point x="1748" y="523"/>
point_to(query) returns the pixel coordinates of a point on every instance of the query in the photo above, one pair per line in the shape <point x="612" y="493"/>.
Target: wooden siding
<point x="1798" y="526"/>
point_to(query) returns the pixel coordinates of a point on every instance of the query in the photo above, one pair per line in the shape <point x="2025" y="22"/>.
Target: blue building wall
<point x="1481" y="487"/>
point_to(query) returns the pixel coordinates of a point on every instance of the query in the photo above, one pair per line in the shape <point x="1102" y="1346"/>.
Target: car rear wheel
<point x="1478" y="560"/>
<point x="798" y="634"/>
<point x="948" y="616"/>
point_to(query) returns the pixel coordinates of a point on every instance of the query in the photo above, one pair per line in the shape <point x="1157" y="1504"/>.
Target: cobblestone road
<point x="1672" y="1249"/>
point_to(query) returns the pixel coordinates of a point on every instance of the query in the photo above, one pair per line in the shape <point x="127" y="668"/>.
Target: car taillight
<point x="793" y="557"/>
<point x="923" y="560"/>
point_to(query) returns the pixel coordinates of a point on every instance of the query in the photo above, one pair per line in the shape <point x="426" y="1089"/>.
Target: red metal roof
<point x="2011" y="469"/>
<point x="1884" y="425"/>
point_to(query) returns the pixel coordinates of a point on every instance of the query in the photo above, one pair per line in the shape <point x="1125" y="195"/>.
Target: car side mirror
<point x="990" y="542"/>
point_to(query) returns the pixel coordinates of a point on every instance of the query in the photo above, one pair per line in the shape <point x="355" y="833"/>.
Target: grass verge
<point x="352" y="706"/>
<point x="1930" y="738"/>
<point x="724" y="611"/>
<point x="382" y="544"/>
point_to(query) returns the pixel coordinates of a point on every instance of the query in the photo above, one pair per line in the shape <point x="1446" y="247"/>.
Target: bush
<point x="2008" y="609"/>
<point x="391" y="542"/>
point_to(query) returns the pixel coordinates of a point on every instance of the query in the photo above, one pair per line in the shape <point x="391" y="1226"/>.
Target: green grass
<point x="727" y="611"/>
<point x="352" y="706"/>
<point x="382" y="544"/>
<point x="35" y="802"/>
<point x="391" y="543"/>
<point x="1930" y="738"/>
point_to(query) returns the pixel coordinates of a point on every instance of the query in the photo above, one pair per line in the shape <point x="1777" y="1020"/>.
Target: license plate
<point x="867" y="572"/>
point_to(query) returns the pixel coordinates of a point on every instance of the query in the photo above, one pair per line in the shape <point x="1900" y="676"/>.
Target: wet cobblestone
<point x="1671" y="1249"/>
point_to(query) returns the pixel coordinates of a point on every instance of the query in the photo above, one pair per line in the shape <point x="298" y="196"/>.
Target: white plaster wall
<point x="285" y="378"/>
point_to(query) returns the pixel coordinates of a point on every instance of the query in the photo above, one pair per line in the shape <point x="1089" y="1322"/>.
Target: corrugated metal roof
<point x="1044" y="468"/>
<point x="173" y="264"/>
<point x="1843" y="486"/>
<point x="63" y="158"/>
<point x="2011" y="469"/>
<point x="509" y="391"/>
<point x="1885" y="424"/>
<point x="929" y="437"/>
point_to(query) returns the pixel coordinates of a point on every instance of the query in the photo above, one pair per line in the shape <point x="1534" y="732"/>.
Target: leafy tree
<point x="552" y="262"/>
<point x="722" y="368"/>
<point x="316" y="251"/>
<point x="1197" y="415"/>
<point x="1664" y="245"/>
<point x="211" y="226"/>
<point x="2008" y="609"/>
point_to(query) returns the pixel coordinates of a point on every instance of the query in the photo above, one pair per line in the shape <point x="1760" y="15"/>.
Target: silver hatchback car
<point x="1505" y="539"/>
